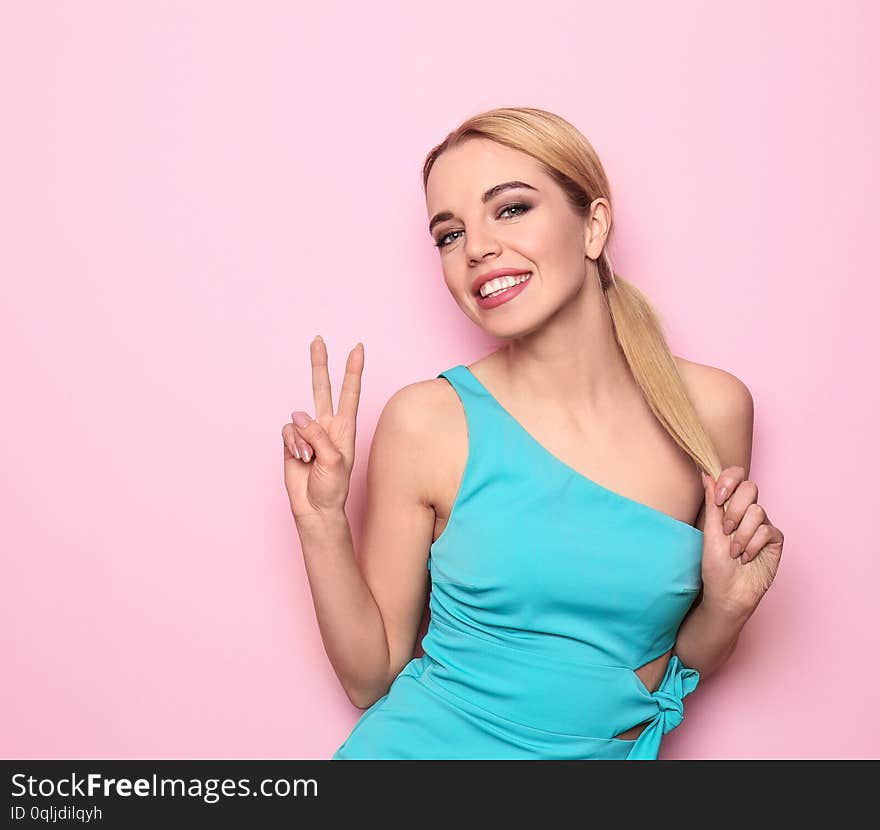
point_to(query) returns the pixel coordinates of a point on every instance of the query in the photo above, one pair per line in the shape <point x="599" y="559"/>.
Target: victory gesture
<point x="319" y="452"/>
<point x="741" y="548"/>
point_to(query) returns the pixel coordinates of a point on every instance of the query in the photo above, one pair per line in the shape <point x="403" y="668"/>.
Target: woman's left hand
<point x="741" y="548"/>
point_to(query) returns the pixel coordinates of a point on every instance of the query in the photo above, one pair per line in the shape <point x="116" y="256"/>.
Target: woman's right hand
<point x="319" y="486"/>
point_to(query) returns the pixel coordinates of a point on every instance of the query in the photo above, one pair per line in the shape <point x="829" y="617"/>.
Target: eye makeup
<point x="525" y="208"/>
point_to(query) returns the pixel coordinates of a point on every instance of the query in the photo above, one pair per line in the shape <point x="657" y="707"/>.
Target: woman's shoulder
<point x="434" y="411"/>
<point x="422" y="399"/>
<point x="430" y="414"/>
<point x="724" y="406"/>
<point x="714" y="391"/>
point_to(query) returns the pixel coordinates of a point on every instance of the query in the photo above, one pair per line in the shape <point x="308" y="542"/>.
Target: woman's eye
<point x="517" y="205"/>
<point x="440" y="243"/>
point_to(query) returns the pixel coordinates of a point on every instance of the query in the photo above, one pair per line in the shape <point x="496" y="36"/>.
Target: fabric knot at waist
<point x="678" y="682"/>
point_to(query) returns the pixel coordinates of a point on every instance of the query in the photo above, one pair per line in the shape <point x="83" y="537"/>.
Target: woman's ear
<point x="597" y="227"/>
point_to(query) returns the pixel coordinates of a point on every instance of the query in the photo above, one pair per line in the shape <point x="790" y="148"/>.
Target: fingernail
<point x="295" y="451"/>
<point x="307" y="454"/>
<point x="728" y="526"/>
<point x="721" y="495"/>
<point x="301" y="419"/>
<point x="735" y="548"/>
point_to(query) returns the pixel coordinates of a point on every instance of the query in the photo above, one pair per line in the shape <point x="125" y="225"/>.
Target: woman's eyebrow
<point x="491" y="193"/>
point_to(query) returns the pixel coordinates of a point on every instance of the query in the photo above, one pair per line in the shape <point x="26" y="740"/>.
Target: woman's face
<point x="529" y="228"/>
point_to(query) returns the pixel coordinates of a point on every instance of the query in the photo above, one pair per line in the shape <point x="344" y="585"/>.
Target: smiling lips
<point x="491" y="275"/>
<point x="505" y="295"/>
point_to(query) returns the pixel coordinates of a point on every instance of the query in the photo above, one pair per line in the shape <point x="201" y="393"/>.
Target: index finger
<point x="321" y="390"/>
<point x="728" y="480"/>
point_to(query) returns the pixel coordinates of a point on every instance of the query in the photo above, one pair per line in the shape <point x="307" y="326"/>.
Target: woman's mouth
<point x="507" y="293"/>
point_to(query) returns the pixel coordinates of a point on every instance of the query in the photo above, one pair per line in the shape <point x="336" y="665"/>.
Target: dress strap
<point x="488" y="430"/>
<point x="498" y="447"/>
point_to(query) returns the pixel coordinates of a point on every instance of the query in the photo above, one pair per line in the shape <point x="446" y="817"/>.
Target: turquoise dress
<point x="547" y="591"/>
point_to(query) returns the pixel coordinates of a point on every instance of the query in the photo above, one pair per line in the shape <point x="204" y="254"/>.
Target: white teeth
<point x="500" y="283"/>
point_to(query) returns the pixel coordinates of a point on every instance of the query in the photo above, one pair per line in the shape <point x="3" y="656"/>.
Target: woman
<point x="569" y="618"/>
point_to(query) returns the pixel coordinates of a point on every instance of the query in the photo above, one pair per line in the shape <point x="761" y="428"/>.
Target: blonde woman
<point x="574" y="507"/>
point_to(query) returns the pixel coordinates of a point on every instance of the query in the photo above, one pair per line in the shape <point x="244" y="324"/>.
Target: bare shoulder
<point x="725" y="407"/>
<point x="715" y="392"/>
<point x="422" y="415"/>
<point x="424" y="403"/>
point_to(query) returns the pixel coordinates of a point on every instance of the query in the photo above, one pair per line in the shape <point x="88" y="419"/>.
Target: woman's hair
<point x="569" y="159"/>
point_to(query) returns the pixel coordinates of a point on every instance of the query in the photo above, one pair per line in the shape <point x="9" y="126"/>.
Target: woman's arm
<point x="708" y="636"/>
<point x="710" y="631"/>
<point x="369" y="607"/>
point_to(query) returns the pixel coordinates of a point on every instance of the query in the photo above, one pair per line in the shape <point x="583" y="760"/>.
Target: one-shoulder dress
<point x="547" y="591"/>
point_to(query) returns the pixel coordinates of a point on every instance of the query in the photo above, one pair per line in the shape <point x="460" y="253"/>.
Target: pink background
<point x="189" y="192"/>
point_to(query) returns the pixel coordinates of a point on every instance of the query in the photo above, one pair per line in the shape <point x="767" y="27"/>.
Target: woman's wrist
<point x="321" y="519"/>
<point x="323" y="529"/>
<point x="726" y="609"/>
